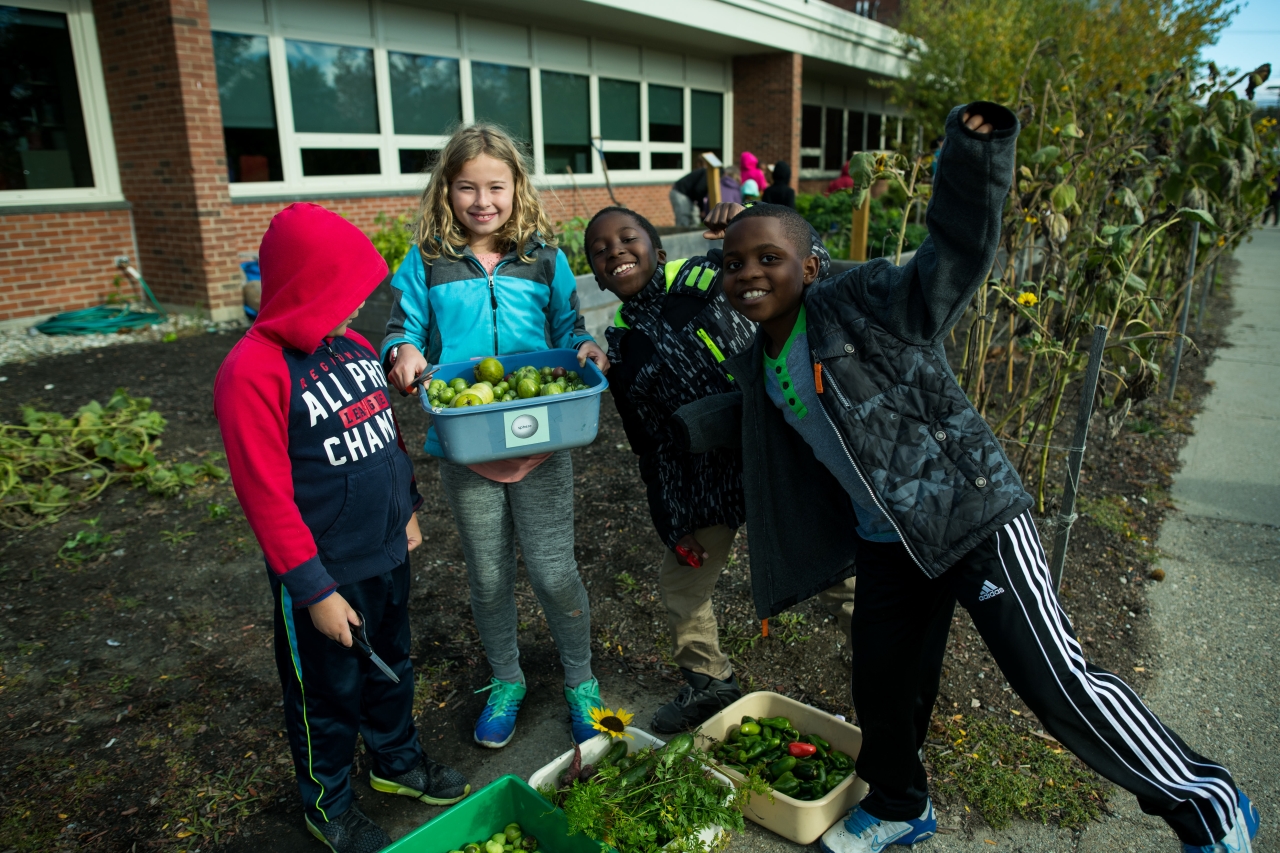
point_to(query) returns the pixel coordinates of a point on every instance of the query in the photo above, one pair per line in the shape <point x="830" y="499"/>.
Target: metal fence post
<point x="1209" y="276"/>
<point x="1076" y="454"/>
<point x="1186" y="310"/>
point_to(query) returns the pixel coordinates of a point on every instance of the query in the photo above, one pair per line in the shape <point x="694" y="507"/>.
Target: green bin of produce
<point x="507" y="799"/>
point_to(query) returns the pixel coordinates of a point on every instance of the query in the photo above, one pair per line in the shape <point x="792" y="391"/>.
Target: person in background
<point x="749" y="165"/>
<point x="844" y="182"/>
<point x="730" y="186"/>
<point x="780" y="191"/>
<point x="750" y="191"/>
<point x="689" y="198"/>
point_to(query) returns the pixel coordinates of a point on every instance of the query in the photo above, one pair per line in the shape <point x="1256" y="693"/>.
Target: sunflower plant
<point x="612" y="723"/>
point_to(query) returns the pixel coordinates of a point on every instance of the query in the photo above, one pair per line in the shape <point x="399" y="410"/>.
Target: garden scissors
<point x="423" y="378"/>
<point x="689" y="557"/>
<point x="360" y="640"/>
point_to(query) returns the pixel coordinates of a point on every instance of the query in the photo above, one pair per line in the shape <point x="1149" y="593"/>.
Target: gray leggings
<point x="539" y="511"/>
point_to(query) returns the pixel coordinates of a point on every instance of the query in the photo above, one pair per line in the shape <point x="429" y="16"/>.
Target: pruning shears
<point x="360" y="641"/>
<point x="422" y="379"/>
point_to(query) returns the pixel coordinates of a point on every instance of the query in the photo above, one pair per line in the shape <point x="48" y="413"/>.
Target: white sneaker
<point x="859" y="832"/>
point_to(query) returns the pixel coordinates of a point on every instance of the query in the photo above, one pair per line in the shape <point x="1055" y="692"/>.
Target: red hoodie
<point x="314" y="450"/>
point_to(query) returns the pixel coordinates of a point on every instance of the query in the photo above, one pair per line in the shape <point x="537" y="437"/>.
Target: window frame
<point x="389" y="143"/>
<point x="93" y="107"/>
<point x="888" y="120"/>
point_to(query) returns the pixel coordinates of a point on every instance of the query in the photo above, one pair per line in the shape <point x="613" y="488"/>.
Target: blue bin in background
<point x="521" y="427"/>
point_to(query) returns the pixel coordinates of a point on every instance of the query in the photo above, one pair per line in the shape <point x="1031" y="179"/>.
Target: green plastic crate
<point x="489" y="810"/>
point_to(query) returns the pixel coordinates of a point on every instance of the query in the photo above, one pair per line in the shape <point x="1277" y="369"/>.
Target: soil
<point x="140" y="696"/>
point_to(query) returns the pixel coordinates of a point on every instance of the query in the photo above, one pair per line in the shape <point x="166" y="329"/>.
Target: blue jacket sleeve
<point x="410" y="319"/>
<point x="568" y="329"/>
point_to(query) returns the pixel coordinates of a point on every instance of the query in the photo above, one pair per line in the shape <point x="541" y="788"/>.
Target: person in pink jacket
<point x="750" y="168"/>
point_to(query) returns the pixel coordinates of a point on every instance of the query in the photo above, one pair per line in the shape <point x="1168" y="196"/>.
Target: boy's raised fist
<point x="976" y="123"/>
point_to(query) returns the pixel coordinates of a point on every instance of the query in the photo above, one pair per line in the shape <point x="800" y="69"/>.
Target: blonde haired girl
<point x="487" y="279"/>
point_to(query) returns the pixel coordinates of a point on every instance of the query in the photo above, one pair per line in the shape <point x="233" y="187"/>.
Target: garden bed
<point x="171" y="737"/>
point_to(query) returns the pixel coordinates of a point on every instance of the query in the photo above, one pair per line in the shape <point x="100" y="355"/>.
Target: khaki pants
<point x="686" y="594"/>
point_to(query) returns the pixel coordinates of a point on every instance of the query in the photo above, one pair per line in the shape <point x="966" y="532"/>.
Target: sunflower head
<point x="613" y="724"/>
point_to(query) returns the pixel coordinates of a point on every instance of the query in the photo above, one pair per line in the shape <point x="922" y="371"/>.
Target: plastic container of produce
<point x="598" y="746"/>
<point x="505" y="800"/>
<point x="801" y="821"/>
<point x="521" y="427"/>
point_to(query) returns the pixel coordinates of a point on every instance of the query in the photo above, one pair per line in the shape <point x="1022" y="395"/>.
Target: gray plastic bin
<point x="521" y="427"/>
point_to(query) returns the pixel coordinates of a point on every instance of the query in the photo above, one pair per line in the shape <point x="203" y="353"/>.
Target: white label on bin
<point x="526" y="426"/>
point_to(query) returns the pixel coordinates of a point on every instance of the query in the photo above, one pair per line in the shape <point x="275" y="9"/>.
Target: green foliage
<point x="393" y="239"/>
<point x="50" y="463"/>
<point x="572" y="239"/>
<point x="677" y="800"/>
<point x="1004" y="772"/>
<point x="832" y="217"/>
<point x="85" y="545"/>
<point x="626" y="582"/>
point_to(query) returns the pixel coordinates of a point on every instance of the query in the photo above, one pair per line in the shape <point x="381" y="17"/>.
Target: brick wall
<point x="766" y="106"/>
<point x="813" y="187"/>
<point x="54" y="262"/>
<point x="162" y="89"/>
<point x="246" y="223"/>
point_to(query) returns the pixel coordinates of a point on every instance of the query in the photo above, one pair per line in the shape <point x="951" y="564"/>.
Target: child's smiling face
<point x="481" y="197"/>
<point x="765" y="274"/>
<point x="621" y="255"/>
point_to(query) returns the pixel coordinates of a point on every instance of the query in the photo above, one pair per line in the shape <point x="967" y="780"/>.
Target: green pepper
<point x="834" y="779"/>
<point x="786" y="784"/>
<point x="819" y="742"/>
<point x="806" y="771"/>
<point x="733" y="735"/>
<point x="808" y="791"/>
<point x="782" y="765"/>
<point x="821" y="768"/>
<point x="776" y="723"/>
<point x="753" y="751"/>
<point x="766" y="731"/>
<point x="746" y="719"/>
<point x="771" y="755"/>
<point x="748" y="728"/>
<point x="841" y="760"/>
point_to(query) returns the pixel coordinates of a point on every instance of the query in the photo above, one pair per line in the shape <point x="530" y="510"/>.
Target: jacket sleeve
<point x="415" y="499"/>
<point x="711" y="422"/>
<point x="921" y="301"/>
<point x="251" y="402"/>
<point x="568" y="329"/>
<point x="410" y="319"/>
<point x="662" y="470"/>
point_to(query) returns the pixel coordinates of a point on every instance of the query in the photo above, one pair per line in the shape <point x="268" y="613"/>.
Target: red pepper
<point x="801" y="750"/>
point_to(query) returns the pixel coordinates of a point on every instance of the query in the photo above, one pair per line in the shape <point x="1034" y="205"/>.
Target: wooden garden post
<point x="711" y="163"/>
<point x="858" y="236"/>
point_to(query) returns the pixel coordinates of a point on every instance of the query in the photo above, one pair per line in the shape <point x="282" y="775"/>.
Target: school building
<point x="171" y="131"/>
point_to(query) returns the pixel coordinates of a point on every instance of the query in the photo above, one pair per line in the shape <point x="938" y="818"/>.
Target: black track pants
<point x="331" y="693"/>
<point x="900" y="623"/>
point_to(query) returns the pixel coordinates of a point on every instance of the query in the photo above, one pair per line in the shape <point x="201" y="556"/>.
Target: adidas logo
<point x="989" y="590"/>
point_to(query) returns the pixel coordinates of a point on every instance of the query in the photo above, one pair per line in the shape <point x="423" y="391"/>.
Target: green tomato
<point x="550" y="389"/>
<point x="527" y="388"/>
<point x="447" y="395"/>
<point x="436" y="386"/>
<point x="459" y="384"/>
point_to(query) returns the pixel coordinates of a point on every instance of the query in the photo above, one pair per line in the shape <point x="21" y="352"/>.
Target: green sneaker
<point x="429" y="782"/>
<point x="582" y="700"/>
<point x="497" y="723"/>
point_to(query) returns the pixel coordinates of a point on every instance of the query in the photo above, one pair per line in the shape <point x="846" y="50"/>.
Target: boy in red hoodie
<point x="320" y="469"/>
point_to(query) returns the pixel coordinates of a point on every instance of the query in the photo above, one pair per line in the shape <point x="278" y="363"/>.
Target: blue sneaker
<point x="862" y="833"/>
<point x="582" y="699"/>
<point x="497" y="723"/>
<point x="1240" y="838"/>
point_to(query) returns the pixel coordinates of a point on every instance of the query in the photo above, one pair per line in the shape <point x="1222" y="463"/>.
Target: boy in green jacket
<point x="847" y="391"/>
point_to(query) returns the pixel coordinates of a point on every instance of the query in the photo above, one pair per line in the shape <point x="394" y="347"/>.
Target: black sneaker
<point x="429" y="782"/>
<point x="350" y="832"/>
<point x="700" y="698"/>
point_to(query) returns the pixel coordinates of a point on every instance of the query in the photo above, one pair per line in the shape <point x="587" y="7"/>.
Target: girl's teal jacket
<point x="453" y="310"/>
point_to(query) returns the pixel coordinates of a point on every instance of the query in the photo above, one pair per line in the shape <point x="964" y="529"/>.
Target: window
<point x="248" y="108"/>
<point x="566" y="123"/>
<point x="426" y="98"/>
<point x="666" y="114"/>
<point x="331" y="88"/>
<point x="620" y="110"/>
<point x="501" y="95"/>
<point x="43" y="143"/>
<point x="856" y="135"/>
<point x="320" y="115"/>
<point x="834" y="152"/>
<point x="706" y="115"/>
<point x="810" y="136"/>
<point x="874" y="123"/>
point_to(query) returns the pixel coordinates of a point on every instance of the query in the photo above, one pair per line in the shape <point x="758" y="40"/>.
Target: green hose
<point x="104" y="319"/>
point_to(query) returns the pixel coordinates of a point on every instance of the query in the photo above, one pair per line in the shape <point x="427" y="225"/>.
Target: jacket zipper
<point x="493" y="301"/>
<point x="858" y="470"/>
<point x="715" y="350"/>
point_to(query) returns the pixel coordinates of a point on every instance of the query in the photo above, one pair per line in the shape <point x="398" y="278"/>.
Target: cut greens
<point x="652" y="800"/>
